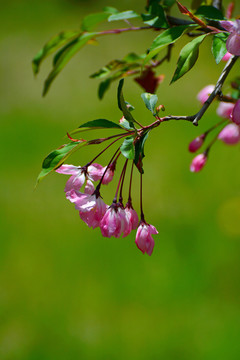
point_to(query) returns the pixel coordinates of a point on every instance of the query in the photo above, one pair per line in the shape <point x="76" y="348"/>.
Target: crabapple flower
<point x="233" y="41"/>
<point x="89" y="204"/>
<point x="115" y="222"/>
<point x="203" y="95"/>
<point x="144" y="240"/>
<point x="225" y="110"/>
<point x="79" y="174"/>
<point x="236" y="113"/>
<point x="226" y="56"/>
<point x="230" y="134"/>
<point x="132" y="215"/>
<point x="108" y="175"/>
<point x="198" y="163"/>
<point x="196" y="143"/>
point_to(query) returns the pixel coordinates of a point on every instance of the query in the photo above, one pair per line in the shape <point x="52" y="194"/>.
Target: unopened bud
<point x="203" y="95"/>
<point x="226" y="56"/>
<point x="230" y="134"/>
<point x="198" y="163"/>
<point x="236" y="113"/>
<point x="225" y="110"/>
<point x="160" y="108"/>
<point x="196" y="143"/>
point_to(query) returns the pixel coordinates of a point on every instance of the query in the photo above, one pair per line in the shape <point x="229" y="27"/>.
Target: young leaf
<point x="51" y="46"/>
<point x="167" y="37"/>
<point x="156" y="16"/>
<point x="65" y="56"/>
<point x="219" y="46"/>
<point x="123" y="15"/>
<point x="91" y="20"/>
<point x="188" y="57"/>
<point x="139" y="152"/>
<point x="209" y="12"/>
<point x="103" y="87"/>
<point x="122" y="105"/>
<point x="127" y="148"/>
<point x="100" y="124"/>
<point x="57" y="157"/>
<point x="150" y="100"/>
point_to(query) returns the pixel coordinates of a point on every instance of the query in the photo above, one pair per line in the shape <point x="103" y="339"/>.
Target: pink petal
<point x="68" y="170"/>
<point x="230" y="134"/>
<point x="233" y="44"/>
<point x="75" y="182"/>
<point x="230" y="26"/>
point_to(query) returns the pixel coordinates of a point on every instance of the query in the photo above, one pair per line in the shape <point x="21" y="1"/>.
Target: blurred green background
<point x="68" y="293"/>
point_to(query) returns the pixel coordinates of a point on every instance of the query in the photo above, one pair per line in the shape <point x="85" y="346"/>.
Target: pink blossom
<point x="90" y="205"/>
<point x="198" y="163"/>
<point x="203" y="95"/>
<point x="79" y="175"/>
<point x="115" y="222"/>
<point x="225" y="110"/>
<point x="144" y="240"/>
<point x="233" y="41"/>
<point x="196" y="143"/>
<point x="108" y="175"/>
<point x="132" y="215"/>
<point x="226" y="56"/>
<point x="236" y="113"/>
<point x="230" y="134"/>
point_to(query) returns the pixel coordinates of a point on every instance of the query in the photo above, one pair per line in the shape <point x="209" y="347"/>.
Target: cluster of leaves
<point x="132" y="147"/>
<point x="204" y="21"/>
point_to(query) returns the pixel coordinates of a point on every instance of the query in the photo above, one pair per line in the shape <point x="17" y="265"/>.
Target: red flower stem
<point x="141" y="207"/>
<point x="100" y="182"/>
<point x="89" y="163"/>
<point x="123" y="177"/>
<point x="130" y="185"/>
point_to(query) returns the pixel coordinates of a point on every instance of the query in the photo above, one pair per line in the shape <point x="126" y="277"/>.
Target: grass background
<point x="68" y="293"/>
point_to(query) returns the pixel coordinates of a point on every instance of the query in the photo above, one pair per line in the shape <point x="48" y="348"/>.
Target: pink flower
<point x="115" y="222"/>
<point x="226" y="56"/>
<point x="203" y="95"/>
<point x="196" y="143"/>
<point x="233" y="41"/>
<point x="79" y="175"/>
<point x="198" y="163"/>
<point x="132" y="215"/>
<point x="225" y="110"/>
<point x="230" y="134"/>
<point x="236" y="113"/>
<point x="108" y="175"/>
<point x="144" y="240"/>
<point x="90" y="205"/>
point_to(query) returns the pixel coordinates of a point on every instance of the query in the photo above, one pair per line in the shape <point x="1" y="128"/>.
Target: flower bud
<point x="198" y="163"/>
<point x="225" y="110"/>
<point x="196" y="143"/>
<point x="230" y="134"/>
<point x="226" y="56"/>
<point x="203" y="95"/>
<point x="236" y="113"/>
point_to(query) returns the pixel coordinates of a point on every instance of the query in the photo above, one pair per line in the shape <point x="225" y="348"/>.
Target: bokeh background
<point x="68" y="293"/>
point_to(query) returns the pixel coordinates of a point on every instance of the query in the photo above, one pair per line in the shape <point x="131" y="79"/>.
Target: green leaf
<point x="209" y="12"/>
<point x="219" y="46"/>
<point x="122" y="105"/>
<point x="156" y="17"/>
<point x="65" y="56"/>
<point x="103" y="87"/>
<point x="130" y="14"/>
<point x="100" y="124"/>
<point x="167" y="37"/>
<point x="57" y="157"/>
<point x="52" y="46"/>
<point x="150" y="100"/>
<point x="139" y="152"/>
<point x="91" y="20"/>
<point x="188" y="57"/>
<point x="127" y="148"/>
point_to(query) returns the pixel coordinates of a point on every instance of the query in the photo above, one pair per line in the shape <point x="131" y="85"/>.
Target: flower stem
<point x="141" y="206"/>
<point x="123" y="177"/>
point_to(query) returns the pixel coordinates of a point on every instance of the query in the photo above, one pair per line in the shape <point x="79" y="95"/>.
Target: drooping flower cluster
<point x="229" y="134"/>
<point x="114" y="220"/>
